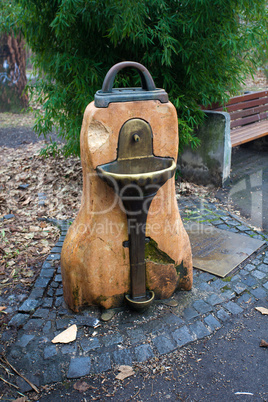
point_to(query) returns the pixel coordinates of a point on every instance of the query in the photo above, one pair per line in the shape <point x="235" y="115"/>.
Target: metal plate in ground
<point x="219" y="251"/>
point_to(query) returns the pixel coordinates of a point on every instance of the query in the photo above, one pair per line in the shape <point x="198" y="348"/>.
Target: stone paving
<point x="128" y="337"/>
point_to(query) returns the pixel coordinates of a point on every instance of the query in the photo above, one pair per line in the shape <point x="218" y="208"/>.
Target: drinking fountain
<point x="127" y="243"/>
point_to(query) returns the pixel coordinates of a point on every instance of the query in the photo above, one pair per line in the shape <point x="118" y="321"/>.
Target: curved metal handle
<point x="146" y="78"/>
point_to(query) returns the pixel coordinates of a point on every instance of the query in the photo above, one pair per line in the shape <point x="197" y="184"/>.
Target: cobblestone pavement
<point x="128" y="337"/>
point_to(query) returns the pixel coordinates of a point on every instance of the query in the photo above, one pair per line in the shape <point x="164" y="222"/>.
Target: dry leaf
<point x="81" y="386"/>
<point x="23" y="399"/>
<point x="2" y="308"/>
<point x="262" y="310"/>
<point x="125" y="371"/>
<point x="67" y="336"/>
<point x="264" y="344"/>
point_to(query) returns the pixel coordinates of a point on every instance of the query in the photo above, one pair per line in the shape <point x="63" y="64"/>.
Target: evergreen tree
<point x="198" y="50"/>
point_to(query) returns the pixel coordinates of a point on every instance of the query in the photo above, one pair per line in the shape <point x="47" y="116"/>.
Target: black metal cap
<point x="148" y="91"/>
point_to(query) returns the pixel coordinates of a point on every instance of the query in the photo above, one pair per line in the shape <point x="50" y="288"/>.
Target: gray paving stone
<point x="113" y="339"/>
<point x="101" y="363"/>
<point x="239" y="288"/>
<point x="47" y="272"/>
<point x="259" y="293"/>
<point x="29" y="305"/>
<point x="47" y="302"/>
<point x="256" y="261"/>
<point x="87" y="321"/>
<point x="242" y="227"/>
<point x="122" y="357"/>
<point x="218" y="284"/>
<point x="263" y="267"/>
<point x="52" y="257"/>
<point x="52" y="372"/>
<point x="59" y="301"/>
<point x="245" y="298"/>
<point x="70" y="349"/>
<point x="214" y="299"/>
<point x="33" y="324"/>
<point x="223" y="226"/>
<point x="265" y="260"/>
<point x="79" y="366"/>
<point x="46" y="265"/>
<point x="24" y="340"/>
<point x="212" y="322"/>
<point x="202" y="307"/>
<point x="24" y="386"/>
<point x="189" y="313"/>
<point x="258" y="274"/>
<point x="88" y="344"/>
<point x="54" y="284"/>
<point x="18" y="320"/>
<point x="42" y="282"/>
<point x="164" y="344"/>
<point x="136" y="335"/>
<point x="205" y="276"/>
<point x="143" y="353"/>
<point x="172" y="319"/>
<point x="37" y="293"/>
<point x="59" y="292"/>
<point x="233" y="308"/>
<point x="56" y="250"/>
<point x="199" y="330"/>
<point x="9" y="216"/>
<point x="205" y="287"/>
<point x="182" y="336"/>
<point x="222" y="315"/>
<point x="155" y="326"/>
<point x="249" y="267"/>
<point x="64" y="323"/>
<point x="47" y="327"/>
<point x="41" y="313"/>
<point x="50" y="292"/>
<point x="235" y="278"/>
<point x="266" y="285"/>
<point x="228" y="294"/>
<point x="58" y="278"/>
<point x="50" y="351"/>
<point x="259" y="237"/>
<point x="249" y="281"/>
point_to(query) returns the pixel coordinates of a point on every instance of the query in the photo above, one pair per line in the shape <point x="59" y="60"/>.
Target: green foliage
<point x="198" y="50"/>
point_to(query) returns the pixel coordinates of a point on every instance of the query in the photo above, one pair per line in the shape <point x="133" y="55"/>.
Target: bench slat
<point x="248" y="112"/>
<point x="245" y="134"/>
<point x="246" y="97"/>
<point x="249" y="119"/>
<point x="237" y="99"/>
<point x="244" y="105"/>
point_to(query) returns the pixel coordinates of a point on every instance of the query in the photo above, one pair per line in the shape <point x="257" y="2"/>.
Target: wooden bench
<point x="249" y="116"/>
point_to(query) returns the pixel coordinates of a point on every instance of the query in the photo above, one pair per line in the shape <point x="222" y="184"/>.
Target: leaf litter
<point x="33" y="188"/>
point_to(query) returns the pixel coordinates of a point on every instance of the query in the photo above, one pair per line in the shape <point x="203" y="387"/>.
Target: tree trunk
<point x="12" y="74"/>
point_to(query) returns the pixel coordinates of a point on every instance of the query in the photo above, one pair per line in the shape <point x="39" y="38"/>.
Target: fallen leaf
<point x="2" y="308"/>
<point x="264" y="344"/>
<point x="125" y="371"/>
<point x="81" y="386"/>
<point x="67" y="336"/>
<point x="262" y="310"/>
<point x="23" y="399"/>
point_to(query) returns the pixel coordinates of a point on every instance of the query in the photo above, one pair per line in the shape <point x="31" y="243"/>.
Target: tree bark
<point x="13" y="97"/>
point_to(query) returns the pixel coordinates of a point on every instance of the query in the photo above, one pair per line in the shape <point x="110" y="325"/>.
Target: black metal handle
<point x="146" y="78"/>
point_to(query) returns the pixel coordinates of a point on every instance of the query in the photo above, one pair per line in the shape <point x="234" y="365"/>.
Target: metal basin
<point x="141" y="176"/>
